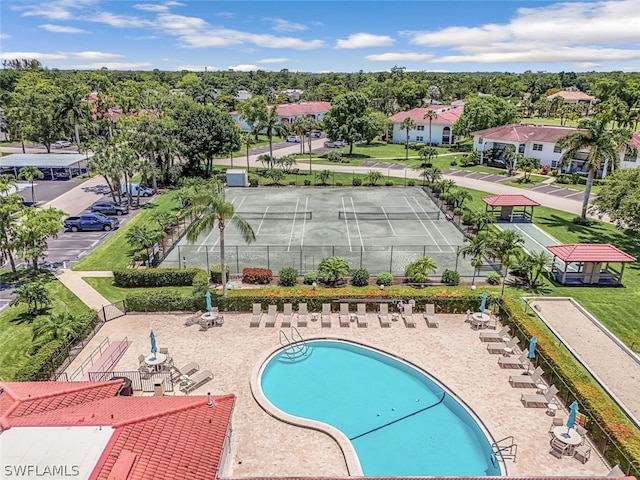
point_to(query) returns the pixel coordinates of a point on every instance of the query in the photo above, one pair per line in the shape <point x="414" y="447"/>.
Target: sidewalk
<point x="76" y="200"/>
<point x="81" y="289"/>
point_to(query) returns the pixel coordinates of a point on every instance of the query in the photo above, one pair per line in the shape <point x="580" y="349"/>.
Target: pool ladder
<point x="294" y="348"/>
<point x="504" y="449"/>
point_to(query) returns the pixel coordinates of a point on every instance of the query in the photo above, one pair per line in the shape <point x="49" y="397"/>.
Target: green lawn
<point x="549" y="121"/>
<point x="263" y="140"/>
<point x="15" y="327"/>
<point x="114" y="252"/>
<point x="534" y="180"/>
<point x="104" y="285"/>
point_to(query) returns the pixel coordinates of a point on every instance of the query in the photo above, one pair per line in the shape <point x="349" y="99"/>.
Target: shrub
<point x="41" y="365"/>
<point x="292" y="182"/>
<point x="288" y="276"/>
<point x="165" y="301"/>
<point x="334" y="156"/>
<point x="458" y="212"/>
<point x="157" y="277"/>
<point x="307" y="182"/>
<point x="453" y="163"/>
<point x="563" y="178"/>
<point x="384" y="278"/>
<point x="389" y="183"/>
<point x="333" y="269"/>
<point x="545" y="170"/>
<point x="418" y="270"/>
<point x="356" y="182"/>
<point x="585" y="222"/>
<point x="309" y="278"/>
<point x="450" y="277"/>
<point x="467" y="218"/>
<point x="216" y="273"/>
<point x="253" y="182"/>
<point x="257" y="275"/>
<point x="411" y="183"/>
<point x="360" y="278"/>
<point x="339" y="184"/>
<point x="493" y="278"/>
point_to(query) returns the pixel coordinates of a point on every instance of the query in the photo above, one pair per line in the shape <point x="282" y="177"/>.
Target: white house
<point x="538" y="141"/>
<point x="441" y="125"/>
<point x="288" y="112"/>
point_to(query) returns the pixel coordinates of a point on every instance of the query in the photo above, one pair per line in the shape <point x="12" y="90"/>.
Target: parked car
<point x="294" y="139"/>
<point x="110" y="208"/>
<point x="314" y="134"/>
<point x="61" y="144"/>
<point x="135" y="187"/>
<point x="334" y="144"/>
<point x="91" y="221"/>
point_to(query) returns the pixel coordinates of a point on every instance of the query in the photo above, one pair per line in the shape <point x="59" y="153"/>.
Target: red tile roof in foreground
<point x="522" y="133"/>
<point x="510" y="201"/>
<point x="155" y="437"/>
<point x="590" y="252"/>
<point x="447" y="115"/>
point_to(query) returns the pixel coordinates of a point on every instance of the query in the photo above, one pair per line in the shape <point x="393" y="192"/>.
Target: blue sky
<point x="321" y="36"/>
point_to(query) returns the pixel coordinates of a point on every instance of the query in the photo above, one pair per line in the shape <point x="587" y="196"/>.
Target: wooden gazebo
<point x="588" y="264"/>
<point x="511" y="207"/>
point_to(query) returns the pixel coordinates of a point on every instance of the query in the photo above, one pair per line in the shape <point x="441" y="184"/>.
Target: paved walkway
<point x="81" y="289"/>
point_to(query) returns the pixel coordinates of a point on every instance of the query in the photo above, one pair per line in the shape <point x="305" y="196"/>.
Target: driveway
<point x="485" y="177"/>
<point x="562" y="192"/>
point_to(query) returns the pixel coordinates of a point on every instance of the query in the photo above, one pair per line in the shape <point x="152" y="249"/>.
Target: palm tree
<point x="333" y="269"/>
<point x="299" y="126"/>
<point x="480" y="219"/>
<point x="407" y="124"/>
<point x="143" y="236"/>
<point x="10" y="206"/>
<point x="418" y="270"/>
<point x="203" y="92"/>
<point x="604" y="147"/>
<point x="272" y="125"/>
<point x="431" y="175"/>
<point x="310" y="124"/>
<point x="246" y="139"/>
<point x="431" y="115"/>
<point x="30" y="173"/>
<point x="34" y="294"/>
<point x="210" y="207"/>
<point x="59" y="326"/>
<point x="477" y="247"/>
<point x="504" y="246"/>
<point x="71" y="107"/>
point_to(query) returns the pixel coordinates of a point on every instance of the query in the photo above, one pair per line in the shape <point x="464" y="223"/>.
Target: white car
<point x="294" y="139"/>
<point x="61" y="144"/>
<point x="330" y="144"/>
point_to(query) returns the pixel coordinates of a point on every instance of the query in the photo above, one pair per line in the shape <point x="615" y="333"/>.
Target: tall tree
<point x="485" y="112"/>
<point x="210" y="207"/>
<point x="431" y="115"/>
<point x="476" y="247"/>
<point x="272" y="125"/>
<point x="10" y="209"/>
<point x="30" y="173"/>
<point x="621" y="199"/>
<point x="58" y="326"/>
<point x="504" y="246"/>
<point x="603" y="145"/>
<point x="407" y="124"/>
<point x="347" y="118"/>
<point x="34" y="294"/>
<point x="36" y="228"/>
<point x="71" y="107"/>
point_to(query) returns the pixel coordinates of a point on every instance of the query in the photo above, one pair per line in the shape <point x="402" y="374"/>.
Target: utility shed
<point x="588" y="264"/>
<point x="237" y="178"/>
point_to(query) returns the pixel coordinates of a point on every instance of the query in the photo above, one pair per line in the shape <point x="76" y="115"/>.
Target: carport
<point x="54" y="165"/>
<point x="511" y="207"/>
<point x="588" y="264"/>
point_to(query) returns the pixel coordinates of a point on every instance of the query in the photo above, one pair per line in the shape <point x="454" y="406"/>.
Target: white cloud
<point x="225" y="14"/>
<point x="54" y="10"/>
<point x="37" y="55"/>
<point x="96" y="56"/>
<point x="281" y="25"/>
<point x="274" y="60"/>
<point x="61" y="29"/>
<point x="400" y="57"/>
<point x="245" y="68"/>
<point x="4" y="36"/>
<point x="365" y="40"/>
<point x="118" y="21"/>
<point x="197" y="68"/>
<point x="113" y="66"/>
<point x="151" y="7"/>
<point x="585" y="65"/>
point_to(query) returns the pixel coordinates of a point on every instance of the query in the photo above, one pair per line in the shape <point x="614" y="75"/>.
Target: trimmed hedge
<point x="257" y="275"/>
<point x="215" y="273"/>
<point x="155" y="277"/>
<point x="166" y="301"/>
<point x="288" y="276"/>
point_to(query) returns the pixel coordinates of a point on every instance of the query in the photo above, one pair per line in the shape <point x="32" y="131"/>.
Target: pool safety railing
<point x="295" y="347"/>
<point x="504" y="449"/>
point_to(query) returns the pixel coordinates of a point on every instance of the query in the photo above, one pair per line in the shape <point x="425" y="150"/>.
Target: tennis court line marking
<point x="388" y="221"/>
<point x="421" y="223"/>
<point x="355" y="217"/>
<point x="204" y="243"/>
<point x="304" y="220"/>
<point x="346" y="223"/>
<point x="293" y="223"/>
<point x="434" y="225"/>
<point x="264" y="214"/>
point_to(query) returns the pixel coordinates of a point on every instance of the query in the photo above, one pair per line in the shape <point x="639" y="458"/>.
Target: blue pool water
<point x="399" y="421"/>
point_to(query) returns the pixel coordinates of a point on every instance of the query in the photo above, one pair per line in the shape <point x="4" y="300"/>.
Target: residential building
<point x="288" y="112"/>
<point x="572" y="97"/>
<point x="538" y="141"/>
<point x="441" y="125"/>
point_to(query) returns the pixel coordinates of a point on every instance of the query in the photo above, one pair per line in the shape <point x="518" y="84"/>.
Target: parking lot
<point x="46" y="190"/>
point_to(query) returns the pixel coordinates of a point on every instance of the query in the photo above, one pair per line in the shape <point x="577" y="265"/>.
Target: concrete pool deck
<point x="264" y="446"/>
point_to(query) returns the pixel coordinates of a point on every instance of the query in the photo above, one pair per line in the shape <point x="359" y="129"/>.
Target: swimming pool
<point x="399" y="421"/>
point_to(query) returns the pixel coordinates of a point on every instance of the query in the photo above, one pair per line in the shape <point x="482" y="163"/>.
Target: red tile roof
<point x="300" y="109"/>
<point x="522" y="133"/>
<point x="155" y="437"/>
<point x="510" y="201"/>
<point x="572" y="96"/>
<point x="590" y="252"/>
<point x="635" y="140"/>
<point x="447" y="115"/>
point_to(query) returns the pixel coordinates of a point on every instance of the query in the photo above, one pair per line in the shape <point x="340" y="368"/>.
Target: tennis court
<point x="380" y="229"/>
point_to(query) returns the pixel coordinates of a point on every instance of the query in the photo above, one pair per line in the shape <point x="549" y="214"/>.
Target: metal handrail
<point x="510" y="450"/>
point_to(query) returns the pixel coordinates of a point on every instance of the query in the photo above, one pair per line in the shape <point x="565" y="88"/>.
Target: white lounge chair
<point x="383" y="315"/>
<point x="272" y="315"/>
<point x="343" y="316"/>
<point x="287" y="312"/>
<point x="525" y="381"/>
<point x="407" y="316"/>
<point x="178" y="374"/>
<point x="495" y="336"/>
<point x="539" y="400"/>
<point x="499" y="347"/>
<point x="256" y="315"/>
<point x="514" y="362"/>
<point x="196" y="380"/>
<point x="325" y="318"/>
<point x="302" y="314"/>
<point x="362" y="315"/>
<point x="430" y="315"/>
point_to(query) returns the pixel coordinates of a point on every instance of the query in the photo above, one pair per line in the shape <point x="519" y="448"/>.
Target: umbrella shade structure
<point x="154" y="347"/>
<point x="532" y="347"/>
<point x="208" y="297"/>
<point x="573" y="411"/>
<point x="483" y="302"/>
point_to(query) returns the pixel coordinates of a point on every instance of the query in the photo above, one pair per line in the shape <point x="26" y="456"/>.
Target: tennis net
<point x="275" y="215"/>
<point x="408" y="215"/>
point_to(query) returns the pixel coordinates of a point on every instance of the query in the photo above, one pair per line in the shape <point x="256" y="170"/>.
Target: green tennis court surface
<point x="380" y="229"/>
